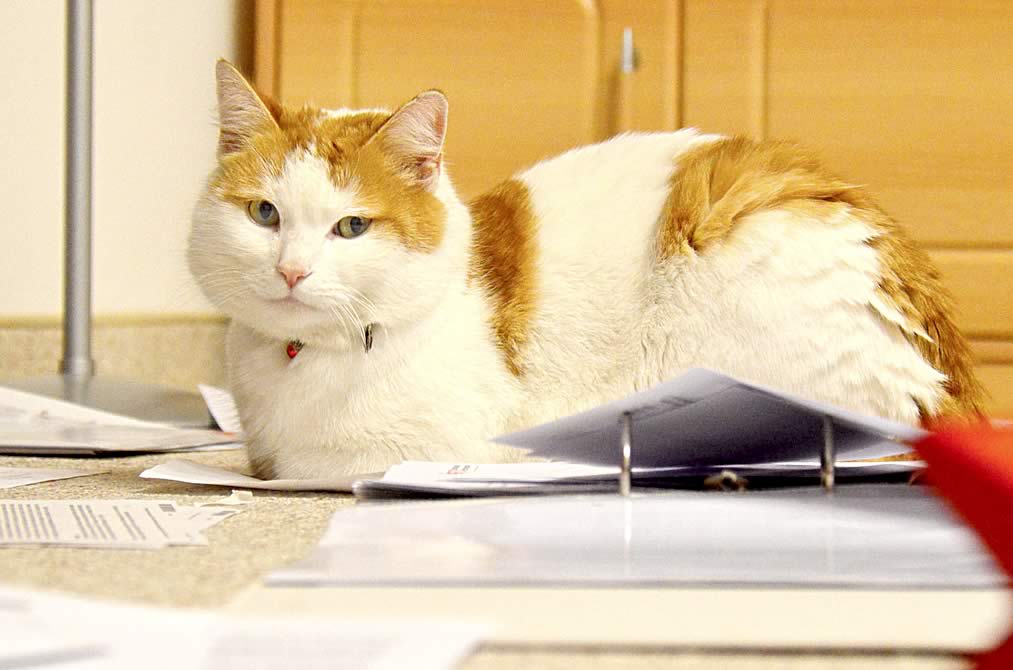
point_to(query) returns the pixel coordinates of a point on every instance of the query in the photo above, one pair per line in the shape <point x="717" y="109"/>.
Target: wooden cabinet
<point x="521" y="76"/>
<point x="914" y="99"/>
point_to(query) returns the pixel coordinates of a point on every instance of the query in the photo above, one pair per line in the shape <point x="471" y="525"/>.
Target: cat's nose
<point x="293" y="274"/>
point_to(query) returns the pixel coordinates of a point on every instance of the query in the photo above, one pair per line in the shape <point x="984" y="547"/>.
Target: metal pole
<point x="77" y="358"/>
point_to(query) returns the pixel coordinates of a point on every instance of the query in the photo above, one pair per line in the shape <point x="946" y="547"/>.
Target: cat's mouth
<point x="290" y="300"/>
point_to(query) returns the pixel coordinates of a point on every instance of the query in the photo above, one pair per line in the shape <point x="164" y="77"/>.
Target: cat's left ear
<point x="241" y="111"/>
<point x="414" y="136"/>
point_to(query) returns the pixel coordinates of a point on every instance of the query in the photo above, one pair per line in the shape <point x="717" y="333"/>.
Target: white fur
<point x="787" y="303"/>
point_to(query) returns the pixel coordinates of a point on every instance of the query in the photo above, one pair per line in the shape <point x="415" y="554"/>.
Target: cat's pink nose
<point x="292" y="274"/>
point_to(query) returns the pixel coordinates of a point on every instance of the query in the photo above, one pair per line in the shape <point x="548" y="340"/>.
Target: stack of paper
<point x="108" y="524"/>
<point x="37" y="425"/>
<point x="50" y="631"/>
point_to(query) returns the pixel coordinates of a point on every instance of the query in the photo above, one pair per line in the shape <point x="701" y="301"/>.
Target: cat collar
<point x="293" y="347"/>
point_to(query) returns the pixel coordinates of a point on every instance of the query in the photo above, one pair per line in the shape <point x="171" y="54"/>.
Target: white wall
<point x="154" y="140"/>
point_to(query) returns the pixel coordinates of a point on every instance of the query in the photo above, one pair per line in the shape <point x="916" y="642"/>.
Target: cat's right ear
<point x="414" y="136"/>
<point x="241" y="112"/>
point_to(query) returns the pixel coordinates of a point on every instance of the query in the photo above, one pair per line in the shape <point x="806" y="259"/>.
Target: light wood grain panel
<point x="982" y="282"/>
<point x="317" y="52"/>
<point x="652" y="99"/>
<point x="265" y="45"/>
<point x="992" y="351"/>
<point x="998" y="381"/>
<point x="912" y="98"/>
<point x="522" y="77"/>
<point x="724" y="63"/>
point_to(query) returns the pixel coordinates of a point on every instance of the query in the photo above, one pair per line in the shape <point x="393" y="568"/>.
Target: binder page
<point x="706" y="418"/>
<point x="862" y="535"/>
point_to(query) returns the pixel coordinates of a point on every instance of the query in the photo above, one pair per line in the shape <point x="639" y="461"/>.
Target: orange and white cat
<point x="376" y="317"/>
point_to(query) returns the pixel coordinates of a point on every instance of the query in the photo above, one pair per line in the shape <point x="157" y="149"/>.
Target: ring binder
<point x="828" y="456"/>
<point x="626" y="445"/>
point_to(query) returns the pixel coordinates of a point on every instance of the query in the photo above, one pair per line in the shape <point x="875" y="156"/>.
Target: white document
<point x="59" y="437"/>
<point x="222" y="406"/>
<point x="83" y="634"/>
<point x="21" y="404"/>
<point x="37" y="425"/>
<point x="12" y="477"/>
<point x="428" y="479"/>
<point x="197" y="473"/>
<point x="706" y="418"/>
<point x="113" y="524"/>
<point x="862" y="535"/>
<point x="29" y="640"/>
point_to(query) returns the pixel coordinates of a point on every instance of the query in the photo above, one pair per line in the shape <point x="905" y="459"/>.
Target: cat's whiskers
<point x="367" y="307"/>
<point x="347" y="319"/>
<point x="356" y="321"/>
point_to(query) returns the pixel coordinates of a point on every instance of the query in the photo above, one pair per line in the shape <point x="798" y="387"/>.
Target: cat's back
<point x="603" y="200"/>
<point x="615" y="265"/>
<point x="576" y="232"/>
<point x="563" y="249"/>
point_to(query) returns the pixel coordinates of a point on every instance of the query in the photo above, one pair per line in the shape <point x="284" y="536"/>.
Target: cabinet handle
<point x="628" y="63"/>
<point x="630" y="60"/>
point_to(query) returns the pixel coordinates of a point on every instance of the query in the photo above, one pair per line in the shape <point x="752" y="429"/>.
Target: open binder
<point x="701" y="422"/>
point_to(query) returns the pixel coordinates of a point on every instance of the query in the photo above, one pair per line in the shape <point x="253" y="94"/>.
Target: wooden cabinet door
<point x="521" y="75"/>
<point x="646" y="98"/>
<point x="912" y="98"/>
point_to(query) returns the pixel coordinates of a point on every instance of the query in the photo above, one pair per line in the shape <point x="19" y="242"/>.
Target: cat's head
<point x="317" y="222"/>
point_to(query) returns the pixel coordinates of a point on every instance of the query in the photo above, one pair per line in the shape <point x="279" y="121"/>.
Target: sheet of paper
<point x="87" y="634"/>
<point x="12" y="477"/>
<point x="38" y="425"/>
<point x="555" y="472"/>
<point x="14" y="403"/>
<point x="56" y="436"/>
<point x="199" y="518"/>
<point x="29" y="640"/>
<point x="427" y="479"/>
<point x="197" y="473"/>
<point x="863" y="535"/>
<point x="112" y="524"/>
<point x="706" y="418"/>
<point x="222" y="406"/>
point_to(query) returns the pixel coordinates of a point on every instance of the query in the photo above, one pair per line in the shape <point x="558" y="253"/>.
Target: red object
<point x="972" y="468"/>
<point x="293" y="348"/>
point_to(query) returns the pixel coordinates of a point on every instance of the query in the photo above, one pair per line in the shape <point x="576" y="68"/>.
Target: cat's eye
<point x="351" y="226"/>
<point x="263" y="213"/>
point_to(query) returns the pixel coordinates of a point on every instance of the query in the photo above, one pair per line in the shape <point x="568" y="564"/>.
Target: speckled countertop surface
<point x="279" y="528"/>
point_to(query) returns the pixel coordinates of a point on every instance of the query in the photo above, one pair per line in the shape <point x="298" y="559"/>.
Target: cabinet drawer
<point x="982" y="283"/>
<point x="998" y="381"/>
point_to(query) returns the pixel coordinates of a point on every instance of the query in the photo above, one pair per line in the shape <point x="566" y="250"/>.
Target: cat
<point x="375" y="317"/>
